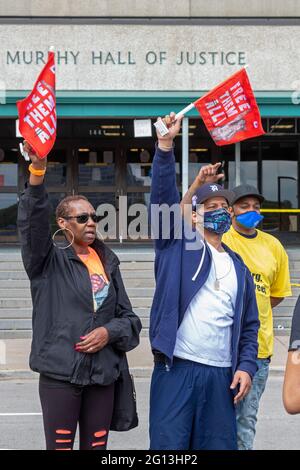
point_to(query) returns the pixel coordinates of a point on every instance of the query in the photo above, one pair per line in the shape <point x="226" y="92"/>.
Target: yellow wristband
<point x="36" y="172"/>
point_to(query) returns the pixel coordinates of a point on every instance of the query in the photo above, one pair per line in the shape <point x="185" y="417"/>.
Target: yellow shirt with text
<point x="268" y="263"/>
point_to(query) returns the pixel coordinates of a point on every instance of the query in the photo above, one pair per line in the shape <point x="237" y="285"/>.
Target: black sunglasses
<point x="83" y="218"/>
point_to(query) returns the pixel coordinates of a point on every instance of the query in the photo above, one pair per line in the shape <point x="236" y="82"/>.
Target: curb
<point x="276" y="371"/>
<point x="18" y="374"/>
<point x="137" y="372"/>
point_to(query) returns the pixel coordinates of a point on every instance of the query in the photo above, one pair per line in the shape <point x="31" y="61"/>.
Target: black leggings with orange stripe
<point x="64" y="405"/>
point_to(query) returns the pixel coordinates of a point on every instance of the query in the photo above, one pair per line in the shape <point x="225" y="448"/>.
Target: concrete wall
<point x="150" y="8"/>
<point x="126" y="57"/>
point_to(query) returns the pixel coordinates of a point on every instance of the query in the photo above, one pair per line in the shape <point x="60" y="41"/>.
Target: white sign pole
<point x="184" y="110"/>
<point x="23" y="153"/>
<point x="162" y="128"/>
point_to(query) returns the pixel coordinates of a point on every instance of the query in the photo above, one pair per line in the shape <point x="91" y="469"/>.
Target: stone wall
<point x="149" y="8"/>
<point x="157" y="57"/>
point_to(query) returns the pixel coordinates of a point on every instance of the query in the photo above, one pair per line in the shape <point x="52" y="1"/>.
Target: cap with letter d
<point x="210" y="190"/>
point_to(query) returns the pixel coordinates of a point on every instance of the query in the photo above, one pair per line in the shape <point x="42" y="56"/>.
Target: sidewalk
<point x="140" y="359"/>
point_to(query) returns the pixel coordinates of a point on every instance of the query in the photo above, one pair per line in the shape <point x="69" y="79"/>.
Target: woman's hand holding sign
<point x="37" y="167"/>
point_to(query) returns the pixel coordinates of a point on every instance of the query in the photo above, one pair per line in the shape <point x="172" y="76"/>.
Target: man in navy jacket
<point x="204" y="318"/>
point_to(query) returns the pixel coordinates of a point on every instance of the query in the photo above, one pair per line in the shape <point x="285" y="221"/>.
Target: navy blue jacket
<point x="177" y="280"/>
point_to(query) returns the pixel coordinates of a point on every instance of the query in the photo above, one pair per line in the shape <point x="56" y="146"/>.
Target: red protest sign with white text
<point x="37" y="112"/>
<point x="230" y="111"/>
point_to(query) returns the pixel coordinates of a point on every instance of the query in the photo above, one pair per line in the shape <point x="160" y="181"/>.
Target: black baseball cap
<point x="245" y="190"/>
<point x="209" y="190"/>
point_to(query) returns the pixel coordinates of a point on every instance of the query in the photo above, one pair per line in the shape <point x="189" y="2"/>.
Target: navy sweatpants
<point x="191" y="407"/>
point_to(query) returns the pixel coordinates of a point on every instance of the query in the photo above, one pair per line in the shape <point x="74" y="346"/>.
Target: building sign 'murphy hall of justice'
<point x="134" y="57"/>
<point x="127" y="57"/>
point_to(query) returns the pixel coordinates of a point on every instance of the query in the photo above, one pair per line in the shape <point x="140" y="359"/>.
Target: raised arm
<point x="207" y="174"/>
<point x="163" y="188"/>
<point x="164" y="197"/>
<point x="33" y="218"/>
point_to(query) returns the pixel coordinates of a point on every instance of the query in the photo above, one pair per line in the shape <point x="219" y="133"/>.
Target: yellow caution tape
<point x="281" y="210"/>
<point x="293" y="284"/>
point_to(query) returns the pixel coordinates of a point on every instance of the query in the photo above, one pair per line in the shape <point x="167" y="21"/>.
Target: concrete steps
<point x="15" y="299"/>
<point x="137" y="272"/>
<point x="12" y="275"/>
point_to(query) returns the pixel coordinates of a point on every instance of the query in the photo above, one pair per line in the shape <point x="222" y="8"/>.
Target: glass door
<point x="97" y="169"/>
<point x="9" y="181"/>
<point x="138" y="155"/>
<point x="280" y="184"/>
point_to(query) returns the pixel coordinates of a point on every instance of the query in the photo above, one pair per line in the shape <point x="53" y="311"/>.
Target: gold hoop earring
<point x="65" y="247"/>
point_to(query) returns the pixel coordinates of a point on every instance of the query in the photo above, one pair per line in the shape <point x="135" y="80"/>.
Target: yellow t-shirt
<point x="98" y="277"/>
<point x="268" y="263"/>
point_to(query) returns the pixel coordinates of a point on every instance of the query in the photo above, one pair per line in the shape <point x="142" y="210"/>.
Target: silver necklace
<point x="217" y="279"/>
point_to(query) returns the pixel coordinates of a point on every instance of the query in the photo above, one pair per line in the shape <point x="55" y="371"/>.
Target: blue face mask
<point x="217" y="221"/>
<point x="249" y="219"/>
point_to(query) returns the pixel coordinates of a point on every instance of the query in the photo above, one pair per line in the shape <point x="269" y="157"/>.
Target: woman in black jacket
<point x="83" y="322"/>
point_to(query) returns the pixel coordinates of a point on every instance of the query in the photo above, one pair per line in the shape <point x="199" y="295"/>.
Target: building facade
<point x="118" y="61"/>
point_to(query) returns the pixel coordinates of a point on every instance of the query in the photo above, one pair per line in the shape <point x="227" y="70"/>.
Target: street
<point x="21" y="421"/>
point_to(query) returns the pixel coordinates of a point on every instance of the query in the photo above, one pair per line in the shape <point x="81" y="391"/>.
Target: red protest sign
<point x="37" y="112"/>
<point x="230" y="111"/>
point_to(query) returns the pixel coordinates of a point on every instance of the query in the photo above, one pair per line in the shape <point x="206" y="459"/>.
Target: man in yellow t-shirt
<point x="267" y="260"/>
